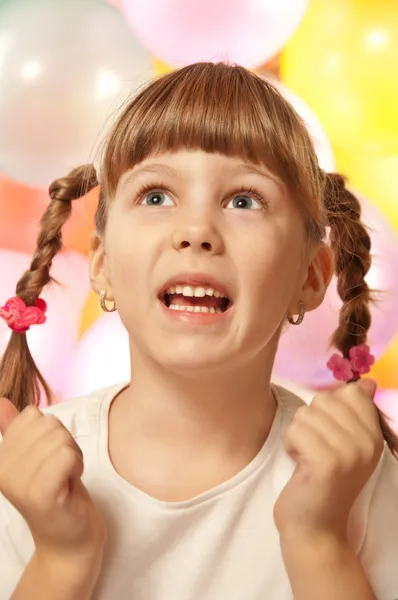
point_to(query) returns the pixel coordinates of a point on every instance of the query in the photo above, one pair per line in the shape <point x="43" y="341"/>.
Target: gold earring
<point x="103" y="303"/>
<point x="300" y="317"/>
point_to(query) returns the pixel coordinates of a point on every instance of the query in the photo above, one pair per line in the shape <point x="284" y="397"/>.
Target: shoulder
<point x="290" y="400"/>
<point x="79" y="415"/>
<point x="374" y="527"/>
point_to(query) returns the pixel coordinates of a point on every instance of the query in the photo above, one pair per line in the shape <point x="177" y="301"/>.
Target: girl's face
<point x="205" y="254"/>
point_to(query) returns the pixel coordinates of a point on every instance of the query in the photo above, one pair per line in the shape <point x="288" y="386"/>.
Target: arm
<point x="58" y="580"/>
<point x="326" y="568"/>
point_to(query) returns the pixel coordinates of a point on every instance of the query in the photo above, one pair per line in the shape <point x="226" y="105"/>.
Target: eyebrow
<point x="165" y="171"/>
<point x="155" y="168"/>
<point x="262" y="171"/>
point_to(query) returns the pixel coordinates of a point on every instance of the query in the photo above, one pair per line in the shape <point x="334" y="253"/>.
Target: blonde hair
<point x="216" y="108"/>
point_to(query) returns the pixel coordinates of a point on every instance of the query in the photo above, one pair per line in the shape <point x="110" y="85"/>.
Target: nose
<point x="199" y="237"/>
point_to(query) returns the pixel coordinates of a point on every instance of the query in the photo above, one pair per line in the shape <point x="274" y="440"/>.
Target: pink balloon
<point x="53" y="343"/>
<point x="387" y="401"/>
<point x="96" y="364"/>
<point x="303" y="350"/>
<point x="247" y="32"/>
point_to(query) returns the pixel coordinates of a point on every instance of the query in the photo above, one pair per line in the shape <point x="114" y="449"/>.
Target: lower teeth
<point x="196" y="309"/>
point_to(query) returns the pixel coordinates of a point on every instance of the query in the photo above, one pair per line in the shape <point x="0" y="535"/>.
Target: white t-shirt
<point x="220" y="545"/>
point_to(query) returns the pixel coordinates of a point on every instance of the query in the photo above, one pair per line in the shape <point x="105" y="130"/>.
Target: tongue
<point x="209" y="301"/>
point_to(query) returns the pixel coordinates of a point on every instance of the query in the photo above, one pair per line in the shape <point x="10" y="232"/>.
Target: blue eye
<point x="157" y="199"/>
<point x="244" y="202"/>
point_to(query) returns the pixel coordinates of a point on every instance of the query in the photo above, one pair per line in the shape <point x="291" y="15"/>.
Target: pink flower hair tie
<point x="349" y="369"/>
<point x="20" y="317"/>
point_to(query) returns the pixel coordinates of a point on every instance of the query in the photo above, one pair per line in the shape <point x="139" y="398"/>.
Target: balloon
<point x="21" y="209"/>
<point x="322" y="145"/>
<point x="77" y="229"/>
<point x="343" y="61"/>
<point x="160" y="67"/>
<point x="102" y="357"/>
<point x="385" y="370"/>
<point x="64" y="66"/>
<point x="376" y="177"/>
<point x="53" y="343"/>
<point x="303" y="351"/>
<point x="387" y="401"/>
<point x="245" y="32"/>
<point x="90" y="313"/>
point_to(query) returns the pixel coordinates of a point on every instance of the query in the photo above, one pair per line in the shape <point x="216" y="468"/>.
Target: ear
<point x="99" y="270"/>
<point x="318" y="275"/>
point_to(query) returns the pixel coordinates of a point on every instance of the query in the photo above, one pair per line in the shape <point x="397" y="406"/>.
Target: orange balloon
<point x="21" y="209"/>
<point x="77" y="230"/>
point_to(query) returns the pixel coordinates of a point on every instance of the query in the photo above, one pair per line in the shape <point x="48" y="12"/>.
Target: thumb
<point x="368" y="386"/>
<point x="8" y="412"/>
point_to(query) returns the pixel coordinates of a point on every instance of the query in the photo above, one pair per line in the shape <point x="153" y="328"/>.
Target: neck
<point x="221" y="410"/>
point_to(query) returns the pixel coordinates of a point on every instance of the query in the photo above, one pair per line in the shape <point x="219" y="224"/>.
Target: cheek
<point x="131" y="255"/>
<point x="269" y="260"/>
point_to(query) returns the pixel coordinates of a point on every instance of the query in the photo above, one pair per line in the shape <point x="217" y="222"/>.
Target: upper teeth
<point x="193" y="291"/>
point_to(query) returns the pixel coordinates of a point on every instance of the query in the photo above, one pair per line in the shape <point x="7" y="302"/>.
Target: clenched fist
<point x="336" y="443"/>
<point x="40" y="475"/>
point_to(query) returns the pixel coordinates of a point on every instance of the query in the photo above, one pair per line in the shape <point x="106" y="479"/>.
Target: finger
<point x="8" y="412"/>
<point x="22" y="422"/>
<point x="362" y="435"/>
<point x="368" y="386"/>
<point x="341" y="413"/>
<point x="45" y="429"/>
<point x="53" y="446"/>
<point x="304" y="442"/>
<point x="50" y="443"/>
<point x="56" y="477"/>
<point x="348" y="439"/>
<point x="25" y="432"/>
<point x="357" y="397"/>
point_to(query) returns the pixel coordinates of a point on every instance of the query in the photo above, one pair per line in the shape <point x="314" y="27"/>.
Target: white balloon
<point x="101" y="359"/>
<point x="53" y="343"/>
<point x="65" y="66"/>
<point x="315" y="128"/>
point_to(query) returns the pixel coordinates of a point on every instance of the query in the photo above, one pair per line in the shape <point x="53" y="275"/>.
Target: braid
<point x="351" y="245"/>
<point x="20" y="379"/>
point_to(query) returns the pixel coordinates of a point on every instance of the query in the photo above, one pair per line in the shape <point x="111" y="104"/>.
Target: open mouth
<point x="197" y="299"/>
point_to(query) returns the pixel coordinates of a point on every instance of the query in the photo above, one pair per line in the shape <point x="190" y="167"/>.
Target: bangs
<point x="215" y="108"/>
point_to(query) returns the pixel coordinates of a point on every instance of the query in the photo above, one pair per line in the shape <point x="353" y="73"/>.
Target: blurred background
<point x="67" y="65"/>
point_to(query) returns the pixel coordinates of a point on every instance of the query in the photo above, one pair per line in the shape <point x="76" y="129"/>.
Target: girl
<point x="202" y="480"/>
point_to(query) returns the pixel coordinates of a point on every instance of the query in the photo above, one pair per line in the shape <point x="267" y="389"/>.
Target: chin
<point x="191" y="358"/>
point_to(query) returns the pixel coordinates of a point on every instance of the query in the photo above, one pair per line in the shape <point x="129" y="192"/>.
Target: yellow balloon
<point x="160" y="67"/>
<point x="375" y="177"/>
<point x="385" y="370"/>
<point x="343" y="61"/>
<point x="90" y="313"/>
